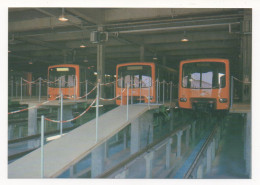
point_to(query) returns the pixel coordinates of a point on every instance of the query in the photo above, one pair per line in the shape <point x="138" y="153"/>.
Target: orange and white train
<point x="204" y="84"/>
<point x="142" y="77"/>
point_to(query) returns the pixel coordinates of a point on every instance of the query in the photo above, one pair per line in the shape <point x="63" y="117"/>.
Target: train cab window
<point x="135" y="75"/>
<point x="203" y="75"/>
<point x="66" y="74"/>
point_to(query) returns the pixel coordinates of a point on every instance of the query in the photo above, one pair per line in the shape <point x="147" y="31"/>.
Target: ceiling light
<point x="155" y="57"/>
<point x="62" y="17"/>
<point x="82" y="46"/>
<point x="184" y="38"/>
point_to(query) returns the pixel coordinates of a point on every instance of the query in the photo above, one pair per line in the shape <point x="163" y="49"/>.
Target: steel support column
<point x="246" y="54"/>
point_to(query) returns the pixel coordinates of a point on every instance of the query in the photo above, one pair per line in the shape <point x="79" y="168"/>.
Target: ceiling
<point x="37" y="36"/>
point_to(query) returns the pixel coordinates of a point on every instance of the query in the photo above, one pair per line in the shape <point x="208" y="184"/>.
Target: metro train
<point x="204" y="84"/>
<point x="67" y="78"/>
<point x="141" y="77"/>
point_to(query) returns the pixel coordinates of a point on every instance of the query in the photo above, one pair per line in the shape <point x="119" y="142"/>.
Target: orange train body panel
<point x="68" y="92"/>
<point x="204" y="93"/>
<point x="135" y="92"/>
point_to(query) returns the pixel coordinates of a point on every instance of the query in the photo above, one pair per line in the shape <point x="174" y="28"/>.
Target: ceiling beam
<point x="91" y="15"/>
<point x="41" y="23"/>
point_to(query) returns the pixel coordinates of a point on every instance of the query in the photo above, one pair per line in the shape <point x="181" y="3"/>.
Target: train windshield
<point x="134" y="75"/>
<point x="62" y="76"/>
<point x="204" y="75"/>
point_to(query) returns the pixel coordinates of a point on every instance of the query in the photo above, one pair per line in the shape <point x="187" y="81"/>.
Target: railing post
<point x="60" y="85"/>
<point x="12" y="88"/>
<point x="231" y="92"/>
<point x="75" y="87"/>
<point x="131" y="84"/>
<point x="61" y="113"/>
<point x="40" y="88"/>
<point x="86" y="91"/>
<point x="149" y="97"/>
<point x="42" y="146"/>
<point x="171" y="92"/>
<point x="140" y="85"/>
<point x="21" y="88"/>
<point x="157" y="91"/>
<point x="97" y="113"/>
<point x="121" y="91"/>
<point x="114" y="89"/>
<point x="16" y="88"/>
<point x="163" y="90"/>
<point x="127" y="100"/>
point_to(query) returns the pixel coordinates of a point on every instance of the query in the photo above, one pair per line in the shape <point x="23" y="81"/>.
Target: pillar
<point x="106" y="149"/>
<point x="32" y="124"/>
<point x="125" y="138"/>
<point x="171" y="119"/>
<point x="193" y="130"/>
<point x="10" y="131"/>
<point x="122" y="175"/>
<point x="188" y="136"/>
<point x="101" y="64"/>
<point x="209" y="150"/>
<point x="247" y="147"/>
<point x="168" y="153"/>
<point x="164" y="61"/>
<point x="135" y="136"/>
<point x="97" y="161"/>
<point x="67" y="115"/>
<point x="141" y="132"/>
<point x="246" y="53"/>
<point x="149" y="164"/>
<point x="142" y="58"/>
<point x="72" y="171"/>
<point x="213" y="149"/>
<point x="179" y="134"/>
<point x="200" y="172"/>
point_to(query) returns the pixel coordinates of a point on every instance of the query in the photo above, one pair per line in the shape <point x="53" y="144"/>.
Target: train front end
<point x="63" y="79"/>
<point x="140" y="77"/>
<point x="204" y="84"/>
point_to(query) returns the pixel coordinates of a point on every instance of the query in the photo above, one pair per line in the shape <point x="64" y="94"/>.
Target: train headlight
<point x="183" y="99"/>
<point x="223" y="100"/>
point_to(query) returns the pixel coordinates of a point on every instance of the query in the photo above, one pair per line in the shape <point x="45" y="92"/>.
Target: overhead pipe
<point x="175" y="28"/>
